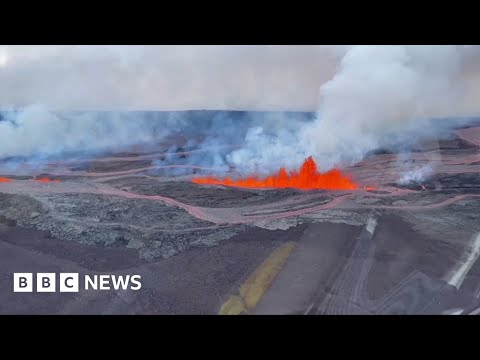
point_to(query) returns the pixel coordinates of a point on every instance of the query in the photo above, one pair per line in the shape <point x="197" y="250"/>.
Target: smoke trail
<point x="380" y="95"/>
<point x="33" y="135"/>
<point x="35" y="132"/>
<point x="416" y="175"/>
<point x="214" y="135"/>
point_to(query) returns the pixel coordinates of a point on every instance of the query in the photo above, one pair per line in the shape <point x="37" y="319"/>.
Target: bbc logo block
<point x="45" y="282"/>
<point x="22" y="282"/>
<point x="68" y="282"/>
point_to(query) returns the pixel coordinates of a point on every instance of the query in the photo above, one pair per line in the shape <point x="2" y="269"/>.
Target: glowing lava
<point x="308" y="178"/>
<point x="46" y="180"/>
<point x="5" y="180"/>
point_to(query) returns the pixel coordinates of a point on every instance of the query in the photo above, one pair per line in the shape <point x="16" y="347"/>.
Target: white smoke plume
<point x="36" y="132"/>
<point x="379" y="94"/>
<point x="416" y="175"/>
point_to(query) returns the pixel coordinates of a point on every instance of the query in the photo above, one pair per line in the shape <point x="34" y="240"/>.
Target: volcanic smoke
<point x="307" y="178"/>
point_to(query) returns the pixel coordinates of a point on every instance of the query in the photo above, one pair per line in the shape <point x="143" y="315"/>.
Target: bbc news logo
<point x="69" y="282"/>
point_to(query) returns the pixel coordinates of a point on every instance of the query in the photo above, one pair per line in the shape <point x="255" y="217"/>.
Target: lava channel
<point x="307" y="178"/>
<point x="5" y="180"/>
<point x="47" y="180"/>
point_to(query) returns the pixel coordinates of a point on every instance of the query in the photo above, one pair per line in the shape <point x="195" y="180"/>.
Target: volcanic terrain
<point x="394" y="234"/>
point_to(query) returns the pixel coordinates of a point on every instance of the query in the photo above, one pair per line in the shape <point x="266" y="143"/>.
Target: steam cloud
<point x="365" y="97"/>
<point x="379" y="96"/>
<point x="416" y="175"/>
<point x="36" y="132"/>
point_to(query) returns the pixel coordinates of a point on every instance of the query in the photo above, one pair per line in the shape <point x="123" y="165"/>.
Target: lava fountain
<point x="307" y="178"/>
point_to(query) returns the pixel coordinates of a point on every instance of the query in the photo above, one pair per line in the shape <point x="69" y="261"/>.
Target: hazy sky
<point x="164" y="77"/>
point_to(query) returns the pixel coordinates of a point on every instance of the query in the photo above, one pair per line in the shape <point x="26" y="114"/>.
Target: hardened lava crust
<point x="406" y="241"/>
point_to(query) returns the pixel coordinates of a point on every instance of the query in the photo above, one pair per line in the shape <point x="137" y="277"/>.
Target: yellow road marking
<point x="258" y="282"/>
<point x="233" y="306"/>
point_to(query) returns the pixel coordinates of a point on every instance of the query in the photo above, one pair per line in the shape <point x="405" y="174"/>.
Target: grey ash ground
<point x="402" y="248"/>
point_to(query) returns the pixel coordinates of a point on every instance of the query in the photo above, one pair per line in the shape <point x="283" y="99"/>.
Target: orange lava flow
<point x="307" y="178"/>
<point x="46" y="180"/>
<point x="5" y="180"/>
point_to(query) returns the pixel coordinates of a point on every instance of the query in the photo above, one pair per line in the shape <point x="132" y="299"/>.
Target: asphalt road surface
<point x="380" y="268"/>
